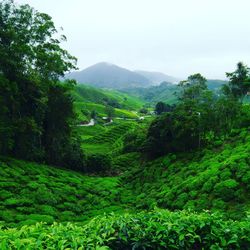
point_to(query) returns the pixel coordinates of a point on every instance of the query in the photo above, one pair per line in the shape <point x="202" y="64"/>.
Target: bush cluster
<point x="153" y="230"/>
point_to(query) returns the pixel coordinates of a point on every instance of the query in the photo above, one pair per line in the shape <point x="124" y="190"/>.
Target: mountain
<point x="157" y="77"/>
<point x="106" y="75"/>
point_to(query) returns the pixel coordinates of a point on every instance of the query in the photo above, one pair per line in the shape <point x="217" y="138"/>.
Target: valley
<point x="112" y="158"/>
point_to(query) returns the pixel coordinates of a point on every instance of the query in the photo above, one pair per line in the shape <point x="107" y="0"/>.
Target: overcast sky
<point x="176" y="37"/>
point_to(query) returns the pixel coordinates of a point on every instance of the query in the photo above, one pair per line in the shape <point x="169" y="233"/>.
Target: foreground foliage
<point x="153" y="230"/>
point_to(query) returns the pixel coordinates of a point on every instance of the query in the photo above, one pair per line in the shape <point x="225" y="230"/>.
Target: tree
<point x="143" y="110"/>
<point x="239" y="82"/>
<point x="93" y="114"/>
<point x="29" y="46"/>
<point x="193" y="86"/>
<point x="200" y="117"/>
<point x="36" y="110"/>
<point x="110" y="111"/>
<point x="98" y="163"/>
<point x="176" y="131"/>
<point x="162" y="107"/>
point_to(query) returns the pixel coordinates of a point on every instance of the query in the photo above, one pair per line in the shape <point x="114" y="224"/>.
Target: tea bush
<point x="51" y="194"/>
<point x="153" y="230"/>
<point x="215" y="179"/>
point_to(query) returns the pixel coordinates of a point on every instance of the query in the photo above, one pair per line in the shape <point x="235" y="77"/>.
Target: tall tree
<point x="31" y="63"/>
<point x="193" y="86"/>
<point x="162" y="107"/>
<point x="110" y="111"/>
<point x="239" y="82"/>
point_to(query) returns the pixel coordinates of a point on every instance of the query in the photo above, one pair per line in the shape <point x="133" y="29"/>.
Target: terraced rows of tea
<point x="115" y="132"/>
<point x="31" y="192"/>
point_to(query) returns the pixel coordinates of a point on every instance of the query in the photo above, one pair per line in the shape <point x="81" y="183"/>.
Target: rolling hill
<point x="88" y="98"/>
<point x="106" y="75"/>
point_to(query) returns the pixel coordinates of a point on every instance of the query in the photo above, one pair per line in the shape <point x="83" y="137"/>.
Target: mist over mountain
<point x="157" y="77"/>
<point x="106" y="75"/>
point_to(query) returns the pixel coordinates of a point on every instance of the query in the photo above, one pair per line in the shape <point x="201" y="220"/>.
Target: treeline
<point x="201" y="116"/>
<point x="36" y="114"/>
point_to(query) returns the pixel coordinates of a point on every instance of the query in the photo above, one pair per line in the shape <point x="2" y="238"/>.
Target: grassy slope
<point x="85" y="93"/>
<point x="216" y="179"/>
<point x="31" y="192"/>
<point x="90" y="98"/>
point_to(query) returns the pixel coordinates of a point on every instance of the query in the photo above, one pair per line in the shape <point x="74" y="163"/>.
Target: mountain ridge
<point x="108" y="75"/>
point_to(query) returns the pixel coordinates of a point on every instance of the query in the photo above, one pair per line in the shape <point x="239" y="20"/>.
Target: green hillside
<point x="164" y="92"/>
<point x="31" y="192"/>
<point x="85" y="93"/>
<point x="87" y="99"/>
<point x="216" y="179"/>
<point x="82" y="107"/>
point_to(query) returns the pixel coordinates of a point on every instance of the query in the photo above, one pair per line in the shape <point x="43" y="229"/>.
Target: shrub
<point x="41" y="217"/>
<point x="225" y="189"/>
<point x="155" y="230"/>
<point x="98" y="163"/>
<point x="47" y="210"/>
<point x="15" y="202"/>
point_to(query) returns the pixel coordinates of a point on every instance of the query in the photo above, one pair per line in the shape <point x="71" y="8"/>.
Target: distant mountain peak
<point x="108" y="75"/>
<point x="103" y="64"/>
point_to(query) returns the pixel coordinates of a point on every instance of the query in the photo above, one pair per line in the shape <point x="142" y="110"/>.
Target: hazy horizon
<point x="177" y="38"/>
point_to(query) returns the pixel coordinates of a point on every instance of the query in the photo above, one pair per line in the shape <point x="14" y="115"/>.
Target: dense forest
<point x="162" y="167"/>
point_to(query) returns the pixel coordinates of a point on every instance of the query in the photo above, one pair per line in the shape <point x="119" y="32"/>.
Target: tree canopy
<point x="34" y="105"/>
<point x="200" y="115"/>
<point x="239" y="82"/>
